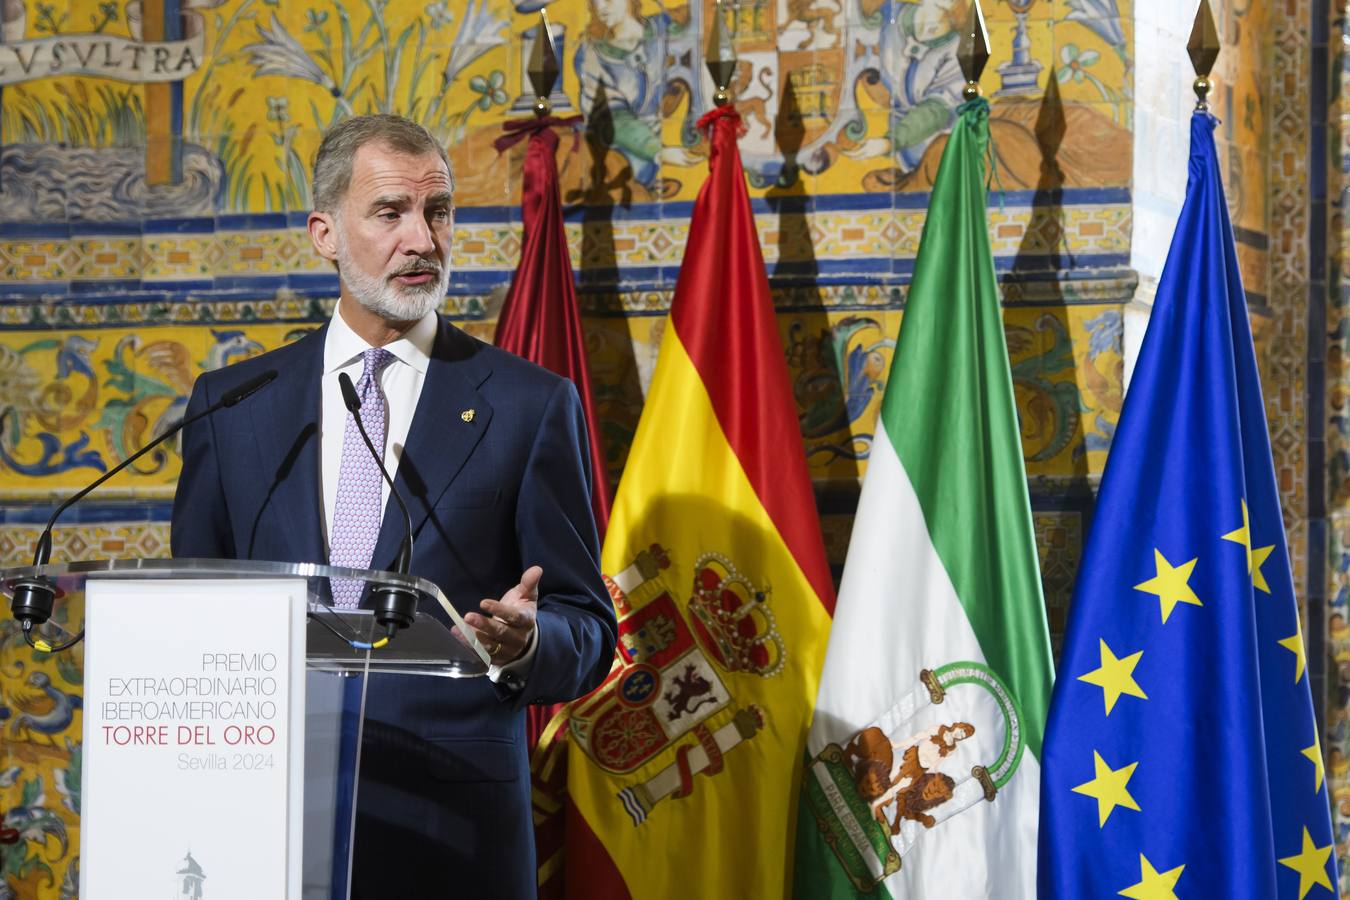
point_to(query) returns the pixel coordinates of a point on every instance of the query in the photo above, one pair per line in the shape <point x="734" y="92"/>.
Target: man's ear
<point x="323" y="234"/>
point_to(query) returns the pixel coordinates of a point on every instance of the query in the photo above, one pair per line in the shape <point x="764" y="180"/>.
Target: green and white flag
<point x="923" y="772"/>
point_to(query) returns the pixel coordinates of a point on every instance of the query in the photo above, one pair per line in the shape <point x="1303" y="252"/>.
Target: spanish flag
<point x="685" y="763"/>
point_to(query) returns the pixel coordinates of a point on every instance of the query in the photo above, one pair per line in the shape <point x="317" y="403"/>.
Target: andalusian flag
<point x="684" y="764"/>
<point x="924" y="769"/>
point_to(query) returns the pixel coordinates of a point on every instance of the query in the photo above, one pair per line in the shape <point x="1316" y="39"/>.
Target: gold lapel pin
<point x="467" y="415"/>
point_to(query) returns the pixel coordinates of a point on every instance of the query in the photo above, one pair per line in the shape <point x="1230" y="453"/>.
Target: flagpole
<point x="720" y="56"/>
<point x="1203" y="48"/>
<point x="543" y="68"/>
<point x="972" y="52"/>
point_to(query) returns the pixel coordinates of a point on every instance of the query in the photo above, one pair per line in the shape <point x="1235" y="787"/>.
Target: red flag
<point x="541" y="321"/>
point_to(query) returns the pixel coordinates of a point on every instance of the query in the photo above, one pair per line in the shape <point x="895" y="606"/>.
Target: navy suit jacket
<point x="443" y="806"/>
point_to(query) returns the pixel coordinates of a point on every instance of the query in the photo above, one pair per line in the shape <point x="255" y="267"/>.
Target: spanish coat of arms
<point x="669" y="679"/>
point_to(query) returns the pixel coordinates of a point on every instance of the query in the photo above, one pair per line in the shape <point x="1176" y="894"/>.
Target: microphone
<point x="33" y="598"/>
<point x="394" y="604"/>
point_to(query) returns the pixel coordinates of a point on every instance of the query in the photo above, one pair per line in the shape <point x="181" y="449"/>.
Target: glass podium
<point x="341" y="647"/>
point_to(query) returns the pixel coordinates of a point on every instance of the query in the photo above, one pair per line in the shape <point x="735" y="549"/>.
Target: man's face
<point x="392" y="233"/>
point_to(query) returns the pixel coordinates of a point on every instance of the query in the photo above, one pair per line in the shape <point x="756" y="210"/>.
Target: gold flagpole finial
<point x="543" y="68"/>
<point x="720" y="56"/>
<point x="972" y="52"/>
<point x="1203" y="48"/>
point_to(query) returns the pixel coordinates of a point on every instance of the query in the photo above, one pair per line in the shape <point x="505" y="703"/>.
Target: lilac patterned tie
<point x="357" y="513"/>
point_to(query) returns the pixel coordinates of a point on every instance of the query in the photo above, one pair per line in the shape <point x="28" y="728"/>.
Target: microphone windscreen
<point x="349" y="398"/>
<point x="248" y="388"/>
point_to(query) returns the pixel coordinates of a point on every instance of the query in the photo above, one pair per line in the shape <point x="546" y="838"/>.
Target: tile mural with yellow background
<point x="154" y="163"/>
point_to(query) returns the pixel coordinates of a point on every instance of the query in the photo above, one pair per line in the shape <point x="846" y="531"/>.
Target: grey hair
<point x="333" y="163"/>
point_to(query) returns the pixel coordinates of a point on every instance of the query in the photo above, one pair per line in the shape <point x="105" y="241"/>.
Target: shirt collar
<point x="342" y="346"/>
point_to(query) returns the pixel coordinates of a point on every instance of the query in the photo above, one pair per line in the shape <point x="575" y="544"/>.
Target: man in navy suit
<point x="489" y="451"/>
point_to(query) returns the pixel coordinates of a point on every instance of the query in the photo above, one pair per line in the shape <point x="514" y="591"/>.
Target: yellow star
<point x="1255" y="556"/>
<point x="1170" y="584"/>
<point x="1311" y="865"/>
<point x="1242" y="536"/>
<point x="1259" y="557"/>
<point x="1314" y="754"/>
<point x="1294" y="644"/>
<point x="1153" y="885"/>
<point x="1108" y="788"/>
<point x="1115" y="677"/>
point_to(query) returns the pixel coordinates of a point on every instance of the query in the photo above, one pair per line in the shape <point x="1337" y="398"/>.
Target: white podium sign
<point x="194" y="716"/>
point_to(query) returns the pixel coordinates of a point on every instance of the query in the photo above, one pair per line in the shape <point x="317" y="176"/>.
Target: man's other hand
<point x="506" y="628"/>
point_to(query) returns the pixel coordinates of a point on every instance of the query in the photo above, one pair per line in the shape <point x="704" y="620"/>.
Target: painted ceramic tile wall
<point x="153" y="185"/>
<point x="1337" y="472"/>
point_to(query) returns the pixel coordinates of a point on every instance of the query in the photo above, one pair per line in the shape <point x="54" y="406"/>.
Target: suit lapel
<point x="287" y="421"/>
<point x="441" y="437"/>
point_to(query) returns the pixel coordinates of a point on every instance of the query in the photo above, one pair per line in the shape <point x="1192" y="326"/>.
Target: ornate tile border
<point x="1111" y="285"/>
<point x="1335" y="475"/>
<point x="623" y="252"/>
<point x="1284" y="366"/>
<point x="106" y="540"/>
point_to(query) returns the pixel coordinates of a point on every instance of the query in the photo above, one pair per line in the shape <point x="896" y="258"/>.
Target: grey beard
<point x="386" y="298"/>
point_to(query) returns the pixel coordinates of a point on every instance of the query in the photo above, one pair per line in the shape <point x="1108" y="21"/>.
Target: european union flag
<point x="1181" y="755"/>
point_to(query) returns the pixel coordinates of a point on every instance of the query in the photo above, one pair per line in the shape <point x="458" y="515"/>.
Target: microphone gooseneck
<point x="34" y="597"/>
<point x="244" y="391"/>
<point x="42" y="552"/>
<point x="394" y="605"/>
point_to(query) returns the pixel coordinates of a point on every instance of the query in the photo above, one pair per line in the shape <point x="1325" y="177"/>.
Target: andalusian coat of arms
<point x="950" y="742"/>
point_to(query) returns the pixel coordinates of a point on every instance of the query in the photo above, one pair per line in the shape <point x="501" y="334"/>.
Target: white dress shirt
<point x="401" y="380"/>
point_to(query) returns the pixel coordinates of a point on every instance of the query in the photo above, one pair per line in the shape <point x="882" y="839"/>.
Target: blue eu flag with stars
<point x="1181" y="756"/>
